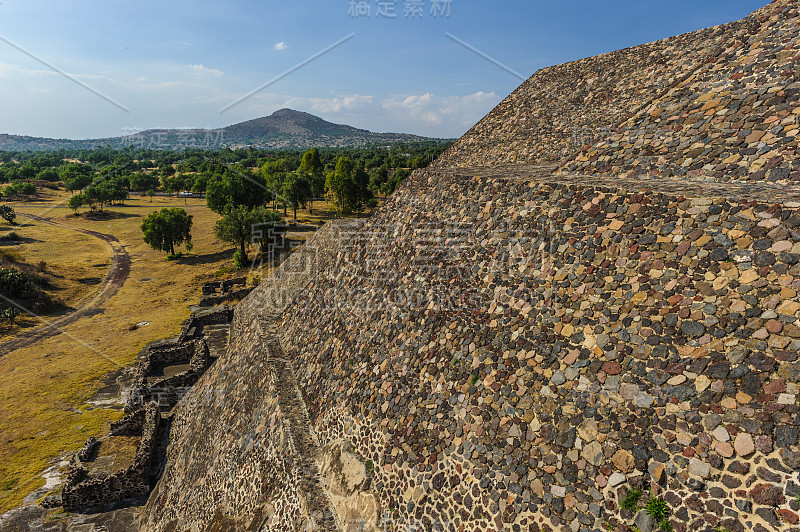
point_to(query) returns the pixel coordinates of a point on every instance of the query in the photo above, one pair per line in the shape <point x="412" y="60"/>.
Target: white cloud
<point x="353" y="103"/>
<point x="202" y="70"/>
<point x="433" y="110"/>
<point x="280" y="46"/>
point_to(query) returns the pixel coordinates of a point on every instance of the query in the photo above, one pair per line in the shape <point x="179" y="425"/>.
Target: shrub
<point x="239" y="261"/>
<point x="631" y="500"/>
<point x="372" y="203"/>
<point x="8" y="214"/>
<point x="657" y="508"/>
<point x="15" y="284"/>
<point x="10" y="314"/>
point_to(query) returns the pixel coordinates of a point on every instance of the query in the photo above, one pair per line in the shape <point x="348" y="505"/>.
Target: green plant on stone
<point x="239" y="260"/>
<point x="657" y="508"/>
<point x="474" y="379"/>
<point x="456" y="361"/>
<point x="665" y="526"/>
<point x="609" y="526"/>
<point x="631" y="499"/>
<point x="370" y="467"/>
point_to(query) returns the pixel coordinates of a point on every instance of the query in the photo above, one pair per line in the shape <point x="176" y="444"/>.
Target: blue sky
<point x="177" y="63"/>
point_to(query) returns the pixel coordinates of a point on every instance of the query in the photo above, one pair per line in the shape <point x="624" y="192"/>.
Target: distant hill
<point x="284" y="129"/>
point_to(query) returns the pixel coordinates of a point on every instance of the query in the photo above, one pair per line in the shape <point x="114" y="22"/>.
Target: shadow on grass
<point x="208" y="258"/>
<point x="104" y="215"/>
<point x="7" y="240"/>
<point x="15" y="226"/>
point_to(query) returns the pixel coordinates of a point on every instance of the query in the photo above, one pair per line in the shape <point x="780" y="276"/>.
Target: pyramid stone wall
<point x="735" y="118"/>
<point x="520" y="337"/>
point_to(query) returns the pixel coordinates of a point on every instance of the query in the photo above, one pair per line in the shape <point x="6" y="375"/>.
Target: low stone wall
<point x="218" y="299"/>
<point x="213" y="316"/>
<point x="85" y="453"/>
<point x="213" y="287"/>
<point x="83" y="491"/>
<point x="167" y="391"/>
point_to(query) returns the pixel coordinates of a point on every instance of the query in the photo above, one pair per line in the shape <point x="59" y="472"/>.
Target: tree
<point x="237" y="224"/>
<point x="296" y="191"/>
<point x="8" y="213"/>
<point x="76" y="176"/>
<point x="151" y="193"/>
<point x="171" y="184"/>
<point x="237" y="187"/>
<point x="165" y="229"/>
<point x="20" y="189"/>
<point x="76" y="202"/>
<point x="27" y="171"/>
<point x="48" y="174"/>
<point x="200" y="184"/>
<point x="361" y="192"/>
<point x="141" y="181"/>
<point x="77" y="182"/>
<point x="273" y="174"/>
<point x="340" y="186"/>
<point x="313" y="170"/>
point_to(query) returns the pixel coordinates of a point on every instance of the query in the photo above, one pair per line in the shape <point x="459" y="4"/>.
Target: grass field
<point x="44" y="388"/>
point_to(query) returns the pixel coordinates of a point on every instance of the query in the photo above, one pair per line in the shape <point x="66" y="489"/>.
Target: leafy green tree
<point x="361" y="192"/>
<point x="400" y="175"/>
<point x="168" y="228"/>
<point x="76" y="202"/>
<point x="76" y="176"/>
<point x="77" y="182"/>
<point x="378" y="177"/>
<point x="142" y="181"/>
<point x="8" y="214"/>
<point x="296" y="191"/>
<point x="274" y="174"/>
<point x="312" y="168"/>
<point x="237" y="187"/>
<point x="20" y="189"/>
<point x="237" y="224"/>
<point x="340" y="186"/>
<point x="200" y="184"/>
<point x="171" y="184"/>
<point x="27" y="171"/>
<point x="48" y="174"/>
<point x="151" y="193"/>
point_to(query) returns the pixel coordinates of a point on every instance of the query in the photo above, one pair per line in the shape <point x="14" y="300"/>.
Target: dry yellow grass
<point x="74" y="263"/>
<point x="44" y="388"/>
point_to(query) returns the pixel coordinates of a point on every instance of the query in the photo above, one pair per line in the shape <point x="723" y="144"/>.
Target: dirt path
<point x="116" y="277"/>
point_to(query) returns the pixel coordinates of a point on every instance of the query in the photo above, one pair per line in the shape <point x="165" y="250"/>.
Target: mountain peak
<point x="283" y="129"/>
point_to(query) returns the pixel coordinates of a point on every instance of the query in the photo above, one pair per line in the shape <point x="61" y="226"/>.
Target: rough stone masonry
<point x="594" y="291"/>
